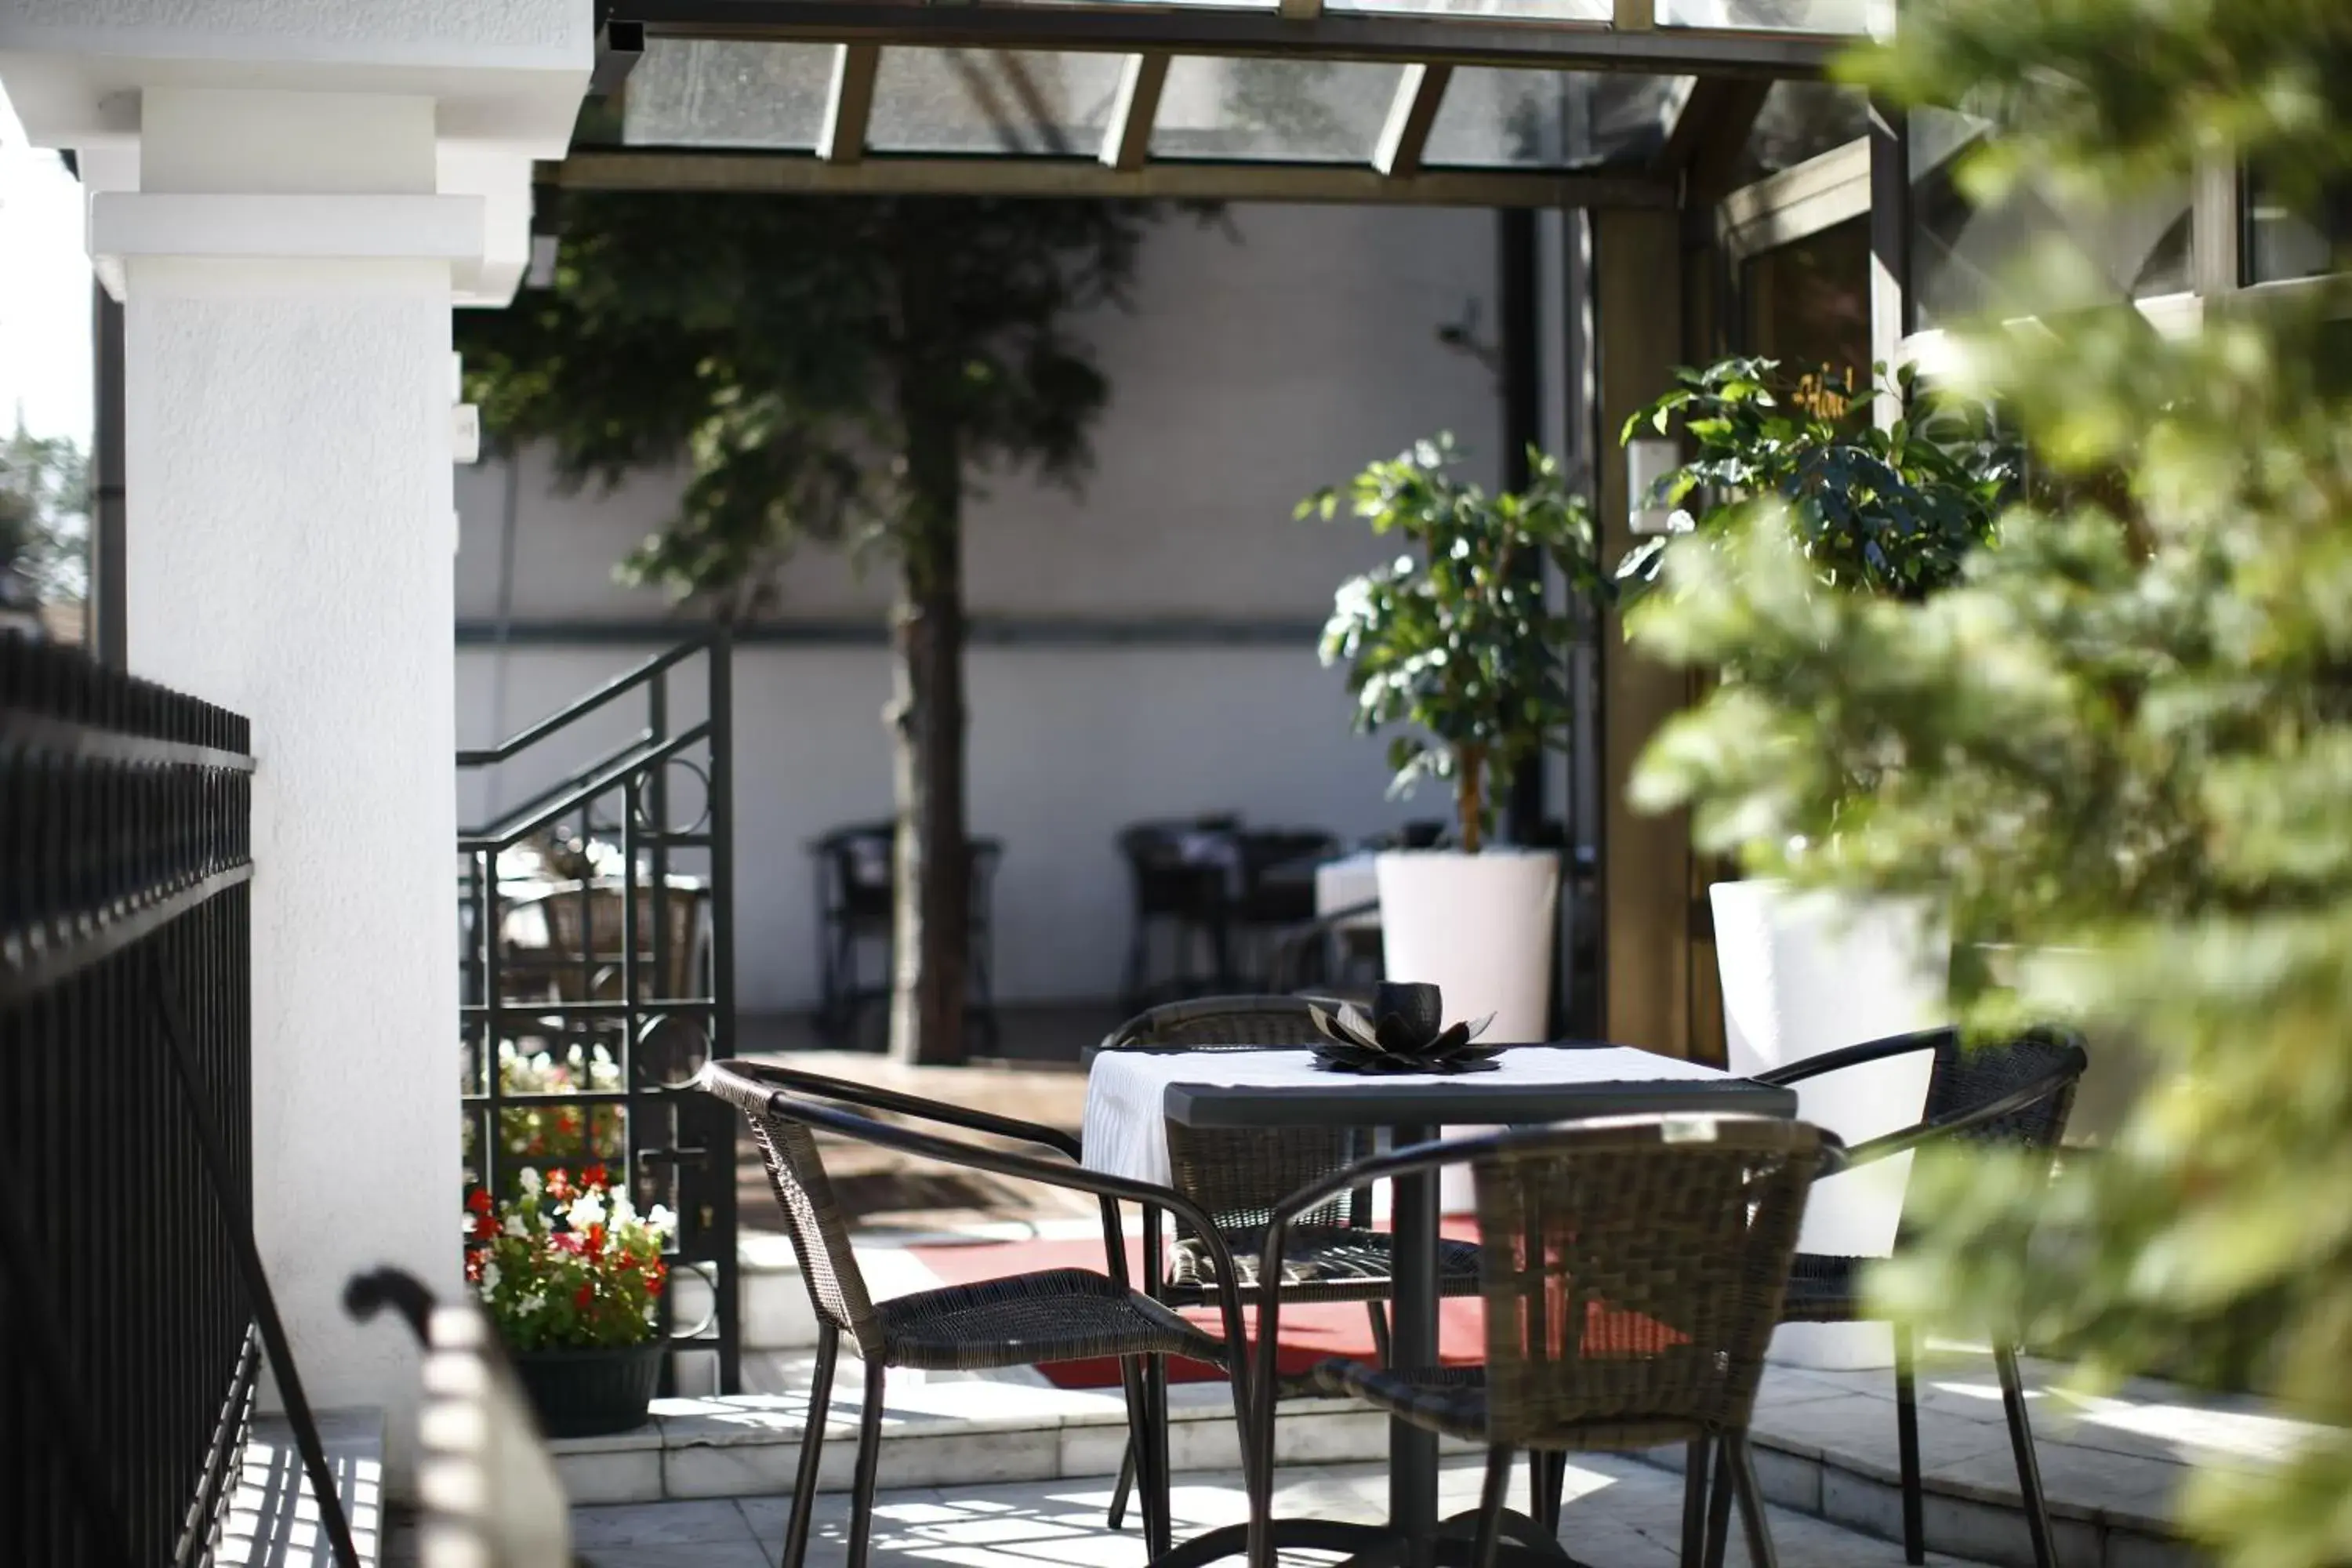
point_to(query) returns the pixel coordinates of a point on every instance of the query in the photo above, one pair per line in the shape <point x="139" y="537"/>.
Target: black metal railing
<point x="134" y="1308"/>
<point x="598" y="966"/>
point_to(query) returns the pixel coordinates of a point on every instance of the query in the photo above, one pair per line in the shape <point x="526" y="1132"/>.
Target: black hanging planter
<point x="590" y="1393"/>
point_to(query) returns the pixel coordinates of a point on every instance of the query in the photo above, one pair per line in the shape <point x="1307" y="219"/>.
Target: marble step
<point x="938" y="1430"/>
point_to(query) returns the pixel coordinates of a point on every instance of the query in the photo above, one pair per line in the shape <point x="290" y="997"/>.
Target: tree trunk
<point x="1470" y="798"/>
<point x="932" y="885"/>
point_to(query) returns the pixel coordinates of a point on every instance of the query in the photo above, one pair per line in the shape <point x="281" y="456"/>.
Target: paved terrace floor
<point x="1620" y="1514"/>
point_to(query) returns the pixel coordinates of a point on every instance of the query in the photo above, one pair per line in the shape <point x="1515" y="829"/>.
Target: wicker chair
<point x="854" y="907"/>
<point x="1027" y="1319"/>
<point x="1187" y="895"/>
<point x="2016" y="1095"/>
<point x="1238" y="1176"/>
<point x="1633" y="1268"/>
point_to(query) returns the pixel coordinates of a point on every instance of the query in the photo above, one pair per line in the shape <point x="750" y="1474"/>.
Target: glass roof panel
<point x="991" y="100"/>
<point x="1780" y="15"/>
<point x="1800" y="120"/>
<point x="1286" y="111"/>
<point x="1530" y="10"/>
<point x="701" y="92"/>
<point x="1537" y="119"/>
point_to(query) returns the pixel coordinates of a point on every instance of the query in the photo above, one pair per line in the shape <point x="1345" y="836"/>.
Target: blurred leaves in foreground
<point x="2121" y="743"/>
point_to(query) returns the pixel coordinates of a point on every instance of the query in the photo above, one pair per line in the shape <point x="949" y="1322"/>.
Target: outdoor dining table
<point x="1133" y="1095"/>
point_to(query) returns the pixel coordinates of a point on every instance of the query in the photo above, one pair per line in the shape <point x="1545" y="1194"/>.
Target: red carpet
<point x="1309" y="1333"/>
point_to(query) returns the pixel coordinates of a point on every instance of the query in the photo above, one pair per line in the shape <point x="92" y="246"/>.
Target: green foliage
<point x="786" y="350"/>
<point x="1453" y="637"/>
<point x="1885" y="511"/>
<point x="45" y="513"/>
<point x="2118" y="744"/>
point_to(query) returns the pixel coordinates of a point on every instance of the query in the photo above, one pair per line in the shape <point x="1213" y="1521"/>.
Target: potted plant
<point x="1890" y="510"/>
<point x="570" y="1273"/>
<point x="1454" y="645"/>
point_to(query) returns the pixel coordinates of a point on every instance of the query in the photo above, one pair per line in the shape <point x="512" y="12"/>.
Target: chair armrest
<point x="849" y="1093"/>
<point x="1855" y="1055"/>
<point x="2030" y="1092"/>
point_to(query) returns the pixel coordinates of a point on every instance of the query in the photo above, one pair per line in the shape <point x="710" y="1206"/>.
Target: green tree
<point x="45" y="515"/>
<point x="2119" y="745"/>
<point x="829" y="370"/>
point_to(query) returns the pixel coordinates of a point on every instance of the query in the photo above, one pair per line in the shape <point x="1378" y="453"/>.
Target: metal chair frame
<point x="1735" y="1474"/>
<point x="774" y="1089"/>
<point x="2054" y="1087"/>
<point x="845" y="918"/>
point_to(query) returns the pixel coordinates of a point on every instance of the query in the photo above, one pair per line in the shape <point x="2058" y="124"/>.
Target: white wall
<point x="1256" y="366"/>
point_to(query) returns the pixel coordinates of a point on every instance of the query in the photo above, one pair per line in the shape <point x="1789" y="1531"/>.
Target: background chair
<point x="854" y="907"/>
<point x="1633" y="1269"/>
<point x="1238" y="1176"/>
<point x="1178" y="874"/>
<point x="2014" y="1094"/>
<point x="1025" y="1319"/>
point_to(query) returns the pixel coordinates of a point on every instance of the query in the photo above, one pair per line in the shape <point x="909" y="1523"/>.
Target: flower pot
<point x="1805" y="973"/>
<point x="590" y="1391"/>
<point x="1480" y="927"/>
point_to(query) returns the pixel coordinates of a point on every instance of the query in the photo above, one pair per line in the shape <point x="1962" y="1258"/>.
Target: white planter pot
<point x="1808" y="973"/>
<point x="1480" y="927"/>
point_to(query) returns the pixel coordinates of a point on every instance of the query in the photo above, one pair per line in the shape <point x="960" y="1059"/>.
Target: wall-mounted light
<point x="540" y="272"/>
<point x="1647" y="461"/>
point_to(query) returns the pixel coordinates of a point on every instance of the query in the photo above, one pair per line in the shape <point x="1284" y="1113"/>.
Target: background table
<point x="1131" y="1095"/>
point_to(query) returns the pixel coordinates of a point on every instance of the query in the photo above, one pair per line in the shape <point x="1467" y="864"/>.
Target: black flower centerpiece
<point x="1405" y="1034"/>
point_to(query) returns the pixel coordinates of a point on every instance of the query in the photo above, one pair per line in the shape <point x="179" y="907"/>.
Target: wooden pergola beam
<point x="763" y="173"/>
<point x="1132" y="111"/>
<point x="849" y="104"/>
<point x="1703" y="148"/>
<point x="1419" y="95"/>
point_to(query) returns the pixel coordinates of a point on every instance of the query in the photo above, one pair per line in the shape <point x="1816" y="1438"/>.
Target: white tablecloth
<point x="1344" y="883"/>
<point x="1126" y="1129"/>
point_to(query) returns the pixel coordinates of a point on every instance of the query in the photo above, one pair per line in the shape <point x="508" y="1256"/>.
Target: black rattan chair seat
<point x="1823" y="1289"/>
<point x="1452" y="1400"/>
<point x="1448" y="1399"/>
<point x="1320" y="1263"/>
<point x="1028" y="1319"/>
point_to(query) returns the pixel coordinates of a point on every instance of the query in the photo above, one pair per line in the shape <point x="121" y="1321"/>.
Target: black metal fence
<point x="598" y="966"/>
<point x="132" y="1308"/>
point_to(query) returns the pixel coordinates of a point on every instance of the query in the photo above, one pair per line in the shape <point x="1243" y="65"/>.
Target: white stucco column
<point x="289" y="200"/>
<point x="288" y="547"/>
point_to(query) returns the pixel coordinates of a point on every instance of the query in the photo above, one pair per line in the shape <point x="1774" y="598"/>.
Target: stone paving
<point x="1620" y="1514"/>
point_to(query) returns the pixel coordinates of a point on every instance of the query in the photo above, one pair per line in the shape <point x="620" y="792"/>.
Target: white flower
<point x="659" y="1220"/>
<point x="532" y="1303"/>
<point x="623" y="1210"/>
<point x="514" y="1227"/>
<point x="465" y="1224"/>
<point x="529" y="1181"/>
<point x="490" y="1277"/>
<point x="587" y="1209"/>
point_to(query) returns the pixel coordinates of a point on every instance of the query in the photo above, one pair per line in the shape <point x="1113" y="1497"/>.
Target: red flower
<point x="581" y="1297"/>
<point x="595" y="1176"/>
<point x="478" y="1200"/>
<point x="486" y="1228"/>
<point x="654" y="1286"/>
<point x="473" y="1267"/>
<point x="559" y="1185"/>
<point x="595" y="1239"/>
